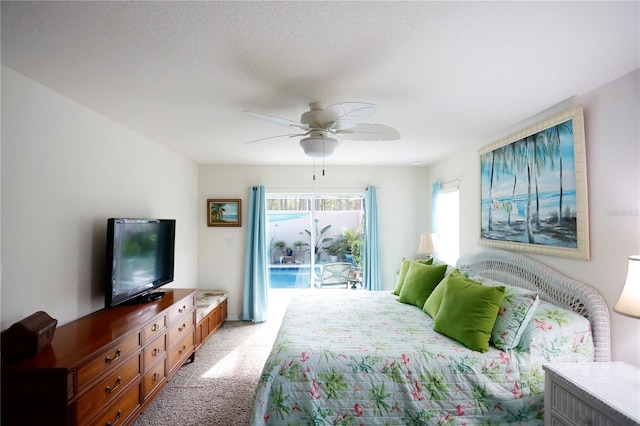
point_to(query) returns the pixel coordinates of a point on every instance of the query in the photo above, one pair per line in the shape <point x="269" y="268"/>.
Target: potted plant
<point x="333" y="250"/>
<point x="354" y="245"/>
<point x="337" y="248"/>
<point x="278" y="250"/>
<point x="321" y="241"/>
<point x="298" y="245"/>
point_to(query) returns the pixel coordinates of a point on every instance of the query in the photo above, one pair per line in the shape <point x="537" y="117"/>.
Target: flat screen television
<point x="140" y="258"/>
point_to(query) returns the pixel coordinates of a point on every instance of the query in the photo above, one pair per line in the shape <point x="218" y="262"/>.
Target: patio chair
<point x="334" y="274"/>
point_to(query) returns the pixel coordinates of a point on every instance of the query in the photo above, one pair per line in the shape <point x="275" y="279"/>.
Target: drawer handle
<point x="110" y="389"/>
<point x="108" y="359"/>
<point x="118" y="414"/>
<point x="182" y="349"/>
<point x="155" y="352"/>
<point x="156" y="376"/>
<point x="180" y="329"/>
<point x="155" y="327"/>
<point x="181" y="310"/>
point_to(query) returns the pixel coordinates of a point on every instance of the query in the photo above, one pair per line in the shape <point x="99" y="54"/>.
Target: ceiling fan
<point x="322" y="127"/>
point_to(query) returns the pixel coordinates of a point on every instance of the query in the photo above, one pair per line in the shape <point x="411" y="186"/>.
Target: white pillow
<point x="558" y="335"/>
<point x="515" y="313"/>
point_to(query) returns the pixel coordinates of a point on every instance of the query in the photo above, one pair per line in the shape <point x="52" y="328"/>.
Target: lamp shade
<point x="629" y="301"/>
<point x="428" y="244"/>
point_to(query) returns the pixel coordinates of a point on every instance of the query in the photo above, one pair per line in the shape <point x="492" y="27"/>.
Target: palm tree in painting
<point x="552" y="135"/>
<point x="217" y="211"/>
<point x="491" y="160"/>
<point x="541" y="157"/>
<point x="514" y="161"/>
<point x="529" y="154"/>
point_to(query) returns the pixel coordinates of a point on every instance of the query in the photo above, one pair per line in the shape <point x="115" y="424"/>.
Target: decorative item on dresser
<point x="28" y="336"/>
<point x="597" y="393"/>
<point x="104" y="368"/>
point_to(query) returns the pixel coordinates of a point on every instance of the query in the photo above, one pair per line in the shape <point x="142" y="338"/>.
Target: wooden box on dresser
<point x="104" y="368"/>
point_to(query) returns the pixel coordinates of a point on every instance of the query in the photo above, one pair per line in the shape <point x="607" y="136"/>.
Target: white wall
<point x="65" y="170"/>
<point x="612" y="132"/>
<point x="402" y="206"/>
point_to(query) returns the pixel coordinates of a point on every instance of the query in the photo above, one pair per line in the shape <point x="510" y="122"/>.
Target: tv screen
<point x="140" y="258"/>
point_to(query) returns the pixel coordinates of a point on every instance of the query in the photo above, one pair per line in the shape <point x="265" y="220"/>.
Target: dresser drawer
<point x="109" y="358"/>
<point x="567" y="409"/>
<point x="180" y="309"/>
<point x="153" y="329"/>
<point x="121" y="410"/>
<point x="108" y="389"/>
<point x="180" y="329"/>
<point x="152" y="378"/>
<point x="177" y="354"/>
<point x="153" y="351"/>
<point x="591" y="394"/>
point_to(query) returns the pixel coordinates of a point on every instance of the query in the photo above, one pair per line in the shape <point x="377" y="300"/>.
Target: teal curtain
<point x="437" y="187"/>
<point x="255" y="303"/>
<point x="370" y="243"/>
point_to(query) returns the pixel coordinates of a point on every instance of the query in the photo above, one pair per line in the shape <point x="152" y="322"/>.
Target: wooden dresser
<point x="104" y="368"/>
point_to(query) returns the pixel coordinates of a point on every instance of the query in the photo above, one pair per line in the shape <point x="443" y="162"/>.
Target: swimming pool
<point x="289" y="276"/>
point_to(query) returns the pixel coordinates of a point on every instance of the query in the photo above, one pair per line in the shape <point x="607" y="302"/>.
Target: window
<point x="306" y="231"/>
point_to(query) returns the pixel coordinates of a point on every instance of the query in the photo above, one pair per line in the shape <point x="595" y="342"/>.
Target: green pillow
<point x="419" y="282"/>
<point x="468" y="312"/>
<point x="404" y="267"/>
<point x="434" y="300"/>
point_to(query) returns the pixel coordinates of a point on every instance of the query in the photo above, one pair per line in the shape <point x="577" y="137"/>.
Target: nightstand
<point x="594" y="393"/>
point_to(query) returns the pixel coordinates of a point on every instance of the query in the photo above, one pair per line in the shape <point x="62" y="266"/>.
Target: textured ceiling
<point x="445" y="74"/>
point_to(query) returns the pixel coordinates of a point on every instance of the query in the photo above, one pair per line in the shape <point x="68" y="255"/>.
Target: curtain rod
<point x="457" y="180"/>
<point x="345" y="188"/>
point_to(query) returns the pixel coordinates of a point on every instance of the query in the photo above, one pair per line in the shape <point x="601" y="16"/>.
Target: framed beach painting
<point x="224" y="212"/>
<point x="533" y="188"/>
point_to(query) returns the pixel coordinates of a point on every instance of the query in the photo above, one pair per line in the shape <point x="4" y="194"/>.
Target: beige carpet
<point x="217" y="389"/>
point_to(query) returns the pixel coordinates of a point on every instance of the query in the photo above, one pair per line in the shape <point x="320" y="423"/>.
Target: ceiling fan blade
<point x="369" y="132"/>
<point x="278" y="120"/>
<point x="278" y="137"/>
<point x="346" y="115"/>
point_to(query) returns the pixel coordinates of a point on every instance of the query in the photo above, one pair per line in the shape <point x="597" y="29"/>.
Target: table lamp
<point x="629" y="301"/>
<point x="428" y="244"/>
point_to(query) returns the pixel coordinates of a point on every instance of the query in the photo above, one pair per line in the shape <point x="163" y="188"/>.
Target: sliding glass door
<point x="310" y="234"/>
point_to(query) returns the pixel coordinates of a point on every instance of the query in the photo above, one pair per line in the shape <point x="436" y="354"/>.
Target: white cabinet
<point x="595" y="393"/>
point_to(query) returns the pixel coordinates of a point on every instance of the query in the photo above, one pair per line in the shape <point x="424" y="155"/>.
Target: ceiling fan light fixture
<point x="318" y="146"/>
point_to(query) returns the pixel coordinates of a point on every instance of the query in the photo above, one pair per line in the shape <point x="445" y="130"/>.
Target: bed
<point x="363" y="358"/>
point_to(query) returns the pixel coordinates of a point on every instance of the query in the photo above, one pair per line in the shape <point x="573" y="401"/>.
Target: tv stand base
<point x="145" y="298"/>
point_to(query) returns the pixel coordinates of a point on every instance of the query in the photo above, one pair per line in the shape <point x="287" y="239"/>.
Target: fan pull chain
<point x="323" y="156"/>
<point x="314" y="169"/>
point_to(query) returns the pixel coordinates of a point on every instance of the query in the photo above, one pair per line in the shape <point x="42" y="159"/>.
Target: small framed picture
<point x="224" y="212"/>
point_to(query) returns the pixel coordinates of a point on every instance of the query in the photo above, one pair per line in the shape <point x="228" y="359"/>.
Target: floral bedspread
<point x="363" y="358"/>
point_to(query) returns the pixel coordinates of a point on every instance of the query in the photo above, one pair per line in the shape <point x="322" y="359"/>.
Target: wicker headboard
<point x="552" y="286"/>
